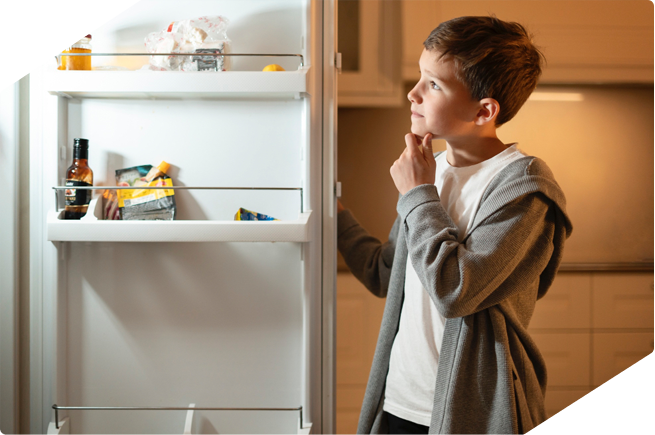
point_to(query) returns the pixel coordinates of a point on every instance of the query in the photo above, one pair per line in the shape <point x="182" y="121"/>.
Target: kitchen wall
<point x="598" y="140"/>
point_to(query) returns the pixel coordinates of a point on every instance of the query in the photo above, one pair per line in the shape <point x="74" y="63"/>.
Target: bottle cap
<point x="164" y="167"/>
<point x="81" y="143"/>
<point x="76" y="34"/>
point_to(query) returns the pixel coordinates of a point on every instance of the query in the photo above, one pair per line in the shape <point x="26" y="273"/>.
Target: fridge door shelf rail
<point x="206" y="85"/>
<point x="58" y="189"/>
<point x="191" y="408"/>
<point x="92" y="229"/>
<point x="300" y="56"/>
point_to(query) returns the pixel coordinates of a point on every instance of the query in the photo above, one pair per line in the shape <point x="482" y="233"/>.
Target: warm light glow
<point x="556" y="96"/>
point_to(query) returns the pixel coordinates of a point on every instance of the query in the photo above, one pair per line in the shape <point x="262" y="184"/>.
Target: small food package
<point x="143" y="203"/>
<point x="247" y="215"/>
<point x="195" y="36"/>
<point x="110" y="209"/>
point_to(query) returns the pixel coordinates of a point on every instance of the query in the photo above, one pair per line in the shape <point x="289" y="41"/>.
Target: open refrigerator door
<point x="199" y="323"/>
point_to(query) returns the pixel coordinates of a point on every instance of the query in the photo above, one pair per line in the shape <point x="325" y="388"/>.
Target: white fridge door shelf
<point x="189" y="427"/>
<point x="93" y="230"/>
<point x="176" y="84"/>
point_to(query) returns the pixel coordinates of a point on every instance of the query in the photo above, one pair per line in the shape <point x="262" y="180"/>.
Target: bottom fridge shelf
<point x="197" y="422"/>
<point x="91" y="230"/>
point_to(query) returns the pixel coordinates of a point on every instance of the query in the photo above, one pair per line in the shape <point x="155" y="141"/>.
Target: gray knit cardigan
<point x="491" y="376"/>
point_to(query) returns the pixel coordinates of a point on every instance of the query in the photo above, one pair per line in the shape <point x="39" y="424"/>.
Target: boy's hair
<point x="493" y="59"/>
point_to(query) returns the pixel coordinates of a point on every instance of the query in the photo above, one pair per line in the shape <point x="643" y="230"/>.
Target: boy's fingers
<point x="427" y="146"/>
<point x="412" y="143"/>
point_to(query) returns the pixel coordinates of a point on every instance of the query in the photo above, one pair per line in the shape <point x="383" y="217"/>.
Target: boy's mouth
<point x="416" y="115"/>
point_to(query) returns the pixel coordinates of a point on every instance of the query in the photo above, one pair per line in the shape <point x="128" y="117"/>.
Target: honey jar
<point x="77" y="62"/>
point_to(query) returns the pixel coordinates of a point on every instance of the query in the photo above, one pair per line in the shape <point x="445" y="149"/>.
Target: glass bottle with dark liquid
<point x="78" y="174"/>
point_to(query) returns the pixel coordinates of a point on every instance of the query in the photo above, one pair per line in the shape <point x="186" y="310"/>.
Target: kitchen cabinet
<point x="568" y="357"/>
<point x="590" y="326"/>
<point x="359" y="315"/>
<point x="369" y="41"/>
<point x="583" y="41"/>
<point x="200" y="324"/>
<point x="615" y="352"/>
<point x="600" y="375"/>
<point x="622" y="301"/>
<point x="567" y="305"/>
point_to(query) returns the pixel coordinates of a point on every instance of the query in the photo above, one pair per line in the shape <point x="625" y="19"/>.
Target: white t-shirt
<point x="415" y="352"/>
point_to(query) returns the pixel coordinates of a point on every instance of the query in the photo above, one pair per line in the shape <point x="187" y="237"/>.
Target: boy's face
<point x="441" y="104"/>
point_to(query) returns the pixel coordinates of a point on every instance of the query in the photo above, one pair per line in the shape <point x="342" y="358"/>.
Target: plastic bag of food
<point x="110" y="209"/>
<point x="198" y="35"/>
<point x="145" y="204"/>
<point x="247" y="215"/>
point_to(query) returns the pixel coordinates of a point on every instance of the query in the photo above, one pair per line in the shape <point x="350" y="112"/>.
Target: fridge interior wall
<point x="169" y="324"/>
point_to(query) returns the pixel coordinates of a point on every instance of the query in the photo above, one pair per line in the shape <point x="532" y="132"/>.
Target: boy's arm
<point x="368" y="259"/>
<point x="513" y="245"/>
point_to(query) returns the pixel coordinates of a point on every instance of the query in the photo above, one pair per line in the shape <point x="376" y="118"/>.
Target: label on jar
<point x="77" y="196"/>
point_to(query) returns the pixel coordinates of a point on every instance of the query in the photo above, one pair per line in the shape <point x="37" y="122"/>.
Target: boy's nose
<point x="413" y="97"/>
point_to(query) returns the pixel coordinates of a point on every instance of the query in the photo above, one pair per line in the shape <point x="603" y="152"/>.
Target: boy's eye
<point x="434" y="86"/>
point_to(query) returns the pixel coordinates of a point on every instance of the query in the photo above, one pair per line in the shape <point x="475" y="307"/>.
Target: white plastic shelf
<point x="177" y="84"/>
<point x="189" y="427"/>
<point x="93" y="230"/>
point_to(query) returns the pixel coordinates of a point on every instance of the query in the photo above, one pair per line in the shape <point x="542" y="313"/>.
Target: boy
<point x="478" y="239"/>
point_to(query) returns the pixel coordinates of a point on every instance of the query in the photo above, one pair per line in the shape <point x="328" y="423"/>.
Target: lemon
<point x="273" y="67"/>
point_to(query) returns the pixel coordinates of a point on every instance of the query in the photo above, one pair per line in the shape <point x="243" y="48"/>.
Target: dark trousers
<point x="402" y="426"/>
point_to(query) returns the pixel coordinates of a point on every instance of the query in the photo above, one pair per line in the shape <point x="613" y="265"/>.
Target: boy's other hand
<point x="416" y="165"/>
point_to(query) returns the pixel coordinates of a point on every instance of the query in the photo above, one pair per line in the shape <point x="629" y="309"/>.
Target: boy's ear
<point x="487" y="112"/>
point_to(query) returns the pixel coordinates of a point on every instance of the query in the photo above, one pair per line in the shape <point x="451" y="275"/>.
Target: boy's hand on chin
<point x="416" y="165"/>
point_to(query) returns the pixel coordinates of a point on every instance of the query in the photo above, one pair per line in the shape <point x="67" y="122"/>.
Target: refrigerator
<point x="202" y="324"/>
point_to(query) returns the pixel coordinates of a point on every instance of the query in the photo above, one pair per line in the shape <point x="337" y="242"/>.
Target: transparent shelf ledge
<point x="177" y="84"/>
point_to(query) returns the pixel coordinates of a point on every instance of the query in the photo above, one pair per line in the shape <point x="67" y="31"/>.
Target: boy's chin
<point x="419" y="133"/>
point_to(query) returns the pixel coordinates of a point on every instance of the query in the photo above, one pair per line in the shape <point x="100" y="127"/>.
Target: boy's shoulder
<point x="525" y="166"/>
<point x="526" y="173"/>
<point x="524" y="176"/>
<point x="530" y="171"/>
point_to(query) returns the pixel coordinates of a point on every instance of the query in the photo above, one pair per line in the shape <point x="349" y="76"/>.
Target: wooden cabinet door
<point x="615" y="352"/>
<point x="566" y="305"/>
<point x="369" y="41"/>
<point x="583" y="41"/>
<point x="622" y="300"/>
<point x="359" y="315"/>
<point x="567" y="358"/>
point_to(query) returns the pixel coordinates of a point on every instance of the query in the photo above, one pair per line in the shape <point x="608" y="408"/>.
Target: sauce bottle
<point x="77" y="62"/>
<point x="78" y="174"/>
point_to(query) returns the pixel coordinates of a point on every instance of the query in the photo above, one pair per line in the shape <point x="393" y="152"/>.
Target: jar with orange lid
<point x="77" y="62"/>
